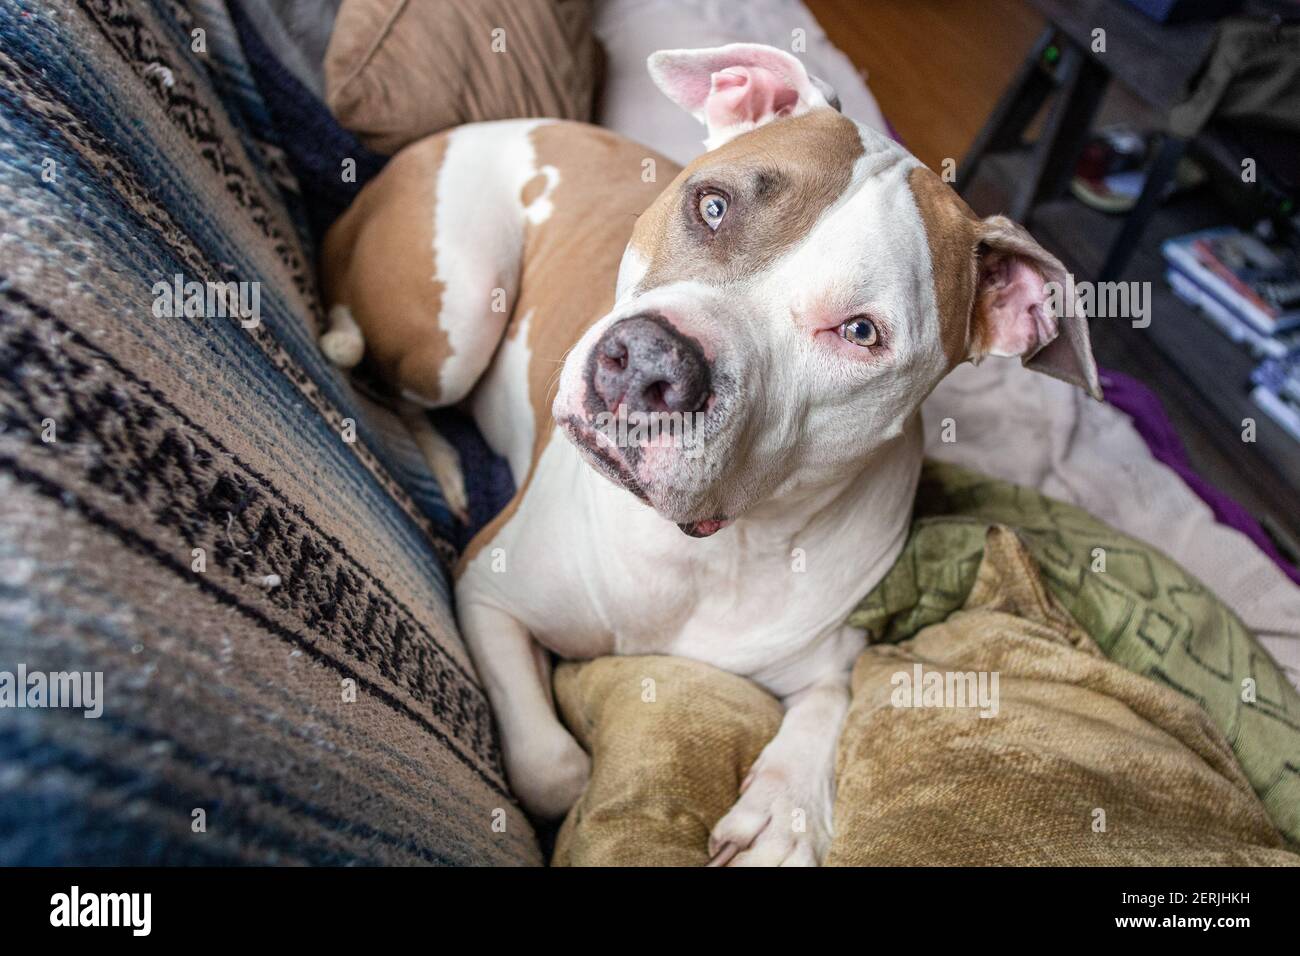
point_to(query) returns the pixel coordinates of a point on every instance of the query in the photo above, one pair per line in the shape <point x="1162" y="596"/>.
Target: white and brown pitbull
<point x="794" y="294"/>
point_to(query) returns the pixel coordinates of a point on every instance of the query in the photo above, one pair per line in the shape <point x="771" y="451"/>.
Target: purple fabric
<point x="1141" y="404"/>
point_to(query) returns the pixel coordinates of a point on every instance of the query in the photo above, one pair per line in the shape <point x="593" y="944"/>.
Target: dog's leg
<point x="546" y="767"/>
<point x="441" y="456"/>
<point x="783" y="816"/>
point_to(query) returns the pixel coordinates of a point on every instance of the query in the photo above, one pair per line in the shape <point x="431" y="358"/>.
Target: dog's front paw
<point x="547" y="773"/>
<point x="779" y="820"/>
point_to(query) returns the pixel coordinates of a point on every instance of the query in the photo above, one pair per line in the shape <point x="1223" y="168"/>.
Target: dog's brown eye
<point x="712" y="208"/>
<point x="859" y="331"/>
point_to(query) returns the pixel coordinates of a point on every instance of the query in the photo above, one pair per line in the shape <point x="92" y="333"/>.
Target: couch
<point x="243" y="542"/>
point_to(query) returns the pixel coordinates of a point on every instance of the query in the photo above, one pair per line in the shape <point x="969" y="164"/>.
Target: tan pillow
<point x="670" y="756"/>
<point x="1084" y="763"/>
<point x="398" y="70"/>
<point x="1074" y="733"/>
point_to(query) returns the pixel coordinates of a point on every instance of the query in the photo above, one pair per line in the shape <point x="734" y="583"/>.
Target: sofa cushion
<point x="672" y="739"/>
<point x="194" y="506"/>
<point x="398" y="70"/>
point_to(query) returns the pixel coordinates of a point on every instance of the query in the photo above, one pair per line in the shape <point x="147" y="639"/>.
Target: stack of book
<point x="1250" y="290"/>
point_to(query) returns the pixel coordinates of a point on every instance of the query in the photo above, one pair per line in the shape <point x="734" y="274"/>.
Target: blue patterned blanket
<point x="198" y="508"/>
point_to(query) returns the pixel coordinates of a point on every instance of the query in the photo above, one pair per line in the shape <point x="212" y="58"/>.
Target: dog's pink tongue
<point x="702" y="529"/>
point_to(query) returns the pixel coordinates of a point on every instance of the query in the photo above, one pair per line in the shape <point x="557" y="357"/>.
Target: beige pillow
<point x="398" y="70"/>
<point x="672" y="740"/>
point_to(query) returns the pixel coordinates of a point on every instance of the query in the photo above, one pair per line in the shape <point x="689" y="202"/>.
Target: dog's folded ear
<point x="736" y="88"/>
<point x="998" y="291"/>
<point x="1021" y="307"/>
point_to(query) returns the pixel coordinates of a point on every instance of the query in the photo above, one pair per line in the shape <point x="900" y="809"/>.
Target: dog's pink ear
<point x="1021" y="308"/>
<point x="735" y="88"/>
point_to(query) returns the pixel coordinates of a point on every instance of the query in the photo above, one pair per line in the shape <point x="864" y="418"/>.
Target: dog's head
<point x="789" y="300"/>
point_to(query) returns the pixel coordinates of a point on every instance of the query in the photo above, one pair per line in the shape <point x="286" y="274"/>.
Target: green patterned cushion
<point x="1146" y="612"/>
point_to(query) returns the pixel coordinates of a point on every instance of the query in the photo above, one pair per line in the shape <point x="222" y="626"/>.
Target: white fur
<point x="479" y="237"/>
<point x="497" y="402"/>
<point x="343" y="343"/>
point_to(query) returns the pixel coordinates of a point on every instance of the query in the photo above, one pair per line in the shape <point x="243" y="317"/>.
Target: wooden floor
<point x="936" y="66"/>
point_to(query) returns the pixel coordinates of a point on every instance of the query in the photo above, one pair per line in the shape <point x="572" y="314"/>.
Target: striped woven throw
<point x="197" y="514"/>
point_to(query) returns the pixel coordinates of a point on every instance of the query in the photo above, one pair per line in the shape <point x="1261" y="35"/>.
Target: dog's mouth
<point x="612" y="467"/>
<point x="702" y="529"/>
<point x="602" y="459"/>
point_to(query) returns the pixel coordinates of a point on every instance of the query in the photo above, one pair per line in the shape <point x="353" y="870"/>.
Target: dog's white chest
<point x="591" y="571"/>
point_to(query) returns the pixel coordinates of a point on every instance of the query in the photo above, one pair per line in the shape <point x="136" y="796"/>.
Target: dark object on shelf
<point x="1251" y="78"/>
<point x="1110" y="172"/>
<point x="1200" y="371"/>
<point x="1155" y="62"/>
<point x="1181" y="11"/>
<point x="1272" y="195"/>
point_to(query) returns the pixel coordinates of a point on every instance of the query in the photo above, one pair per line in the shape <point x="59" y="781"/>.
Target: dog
<point x="786" y="302"/>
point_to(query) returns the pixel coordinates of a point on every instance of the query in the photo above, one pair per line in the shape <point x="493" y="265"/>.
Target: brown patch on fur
<point x="953" y="234"/>
<point x="378" y="260"/>
<point x="532" y="189"/>
<point x="780" y="179"/>
<point x="570" y="264"/>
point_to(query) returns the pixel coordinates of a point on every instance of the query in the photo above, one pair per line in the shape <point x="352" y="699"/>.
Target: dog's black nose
<point x="646" y="364"/>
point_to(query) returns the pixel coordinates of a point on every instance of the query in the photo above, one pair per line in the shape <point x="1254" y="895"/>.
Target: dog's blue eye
<point x="859" y="331"/>
<point x="712" y="208"/>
